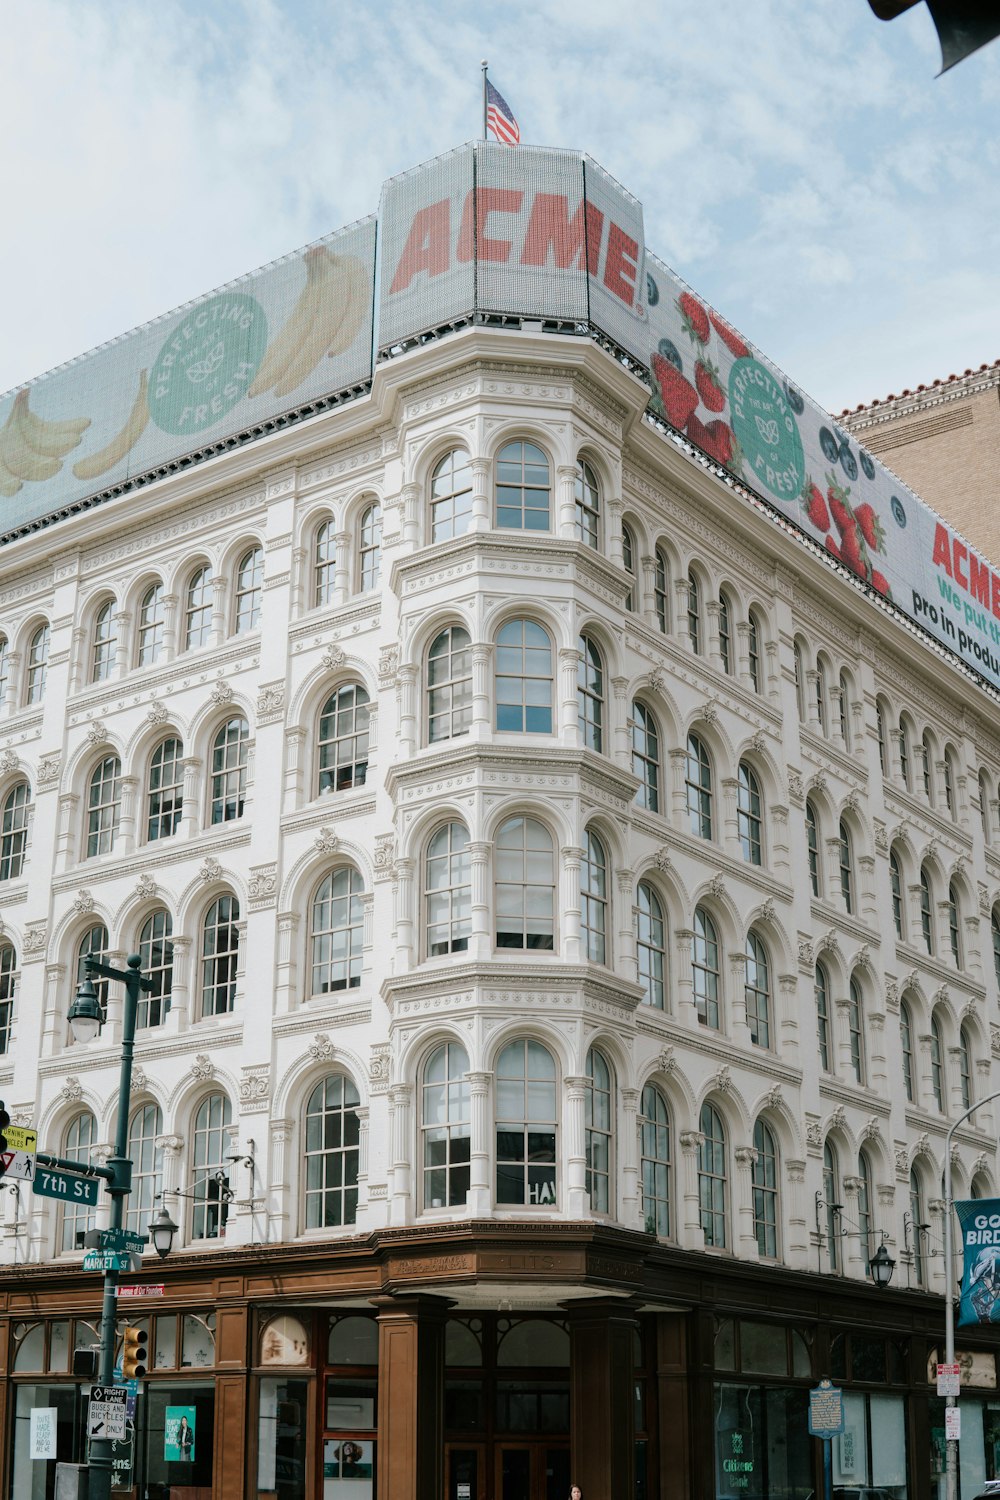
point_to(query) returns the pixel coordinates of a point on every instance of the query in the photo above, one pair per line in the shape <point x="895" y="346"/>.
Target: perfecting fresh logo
<point x="206" y="365"/>
<point x="766" y="429"/>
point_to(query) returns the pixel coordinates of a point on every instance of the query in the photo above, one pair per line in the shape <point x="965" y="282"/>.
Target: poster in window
<point x="347" y="1459"/>
<point x="179" y="1434"/>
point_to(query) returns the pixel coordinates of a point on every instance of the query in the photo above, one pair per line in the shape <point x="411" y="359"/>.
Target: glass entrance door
<point x="465" y="1471"/>
<point x="531" y="1471"/>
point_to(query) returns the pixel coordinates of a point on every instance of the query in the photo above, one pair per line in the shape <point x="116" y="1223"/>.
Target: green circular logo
<point x="766" y="429"/>
<point x="207" y="363"/>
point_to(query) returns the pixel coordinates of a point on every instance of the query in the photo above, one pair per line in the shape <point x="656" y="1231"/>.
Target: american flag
<point x="500" y="117"/>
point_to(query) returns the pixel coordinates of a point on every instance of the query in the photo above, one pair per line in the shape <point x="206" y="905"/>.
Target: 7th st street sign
<point x="65" y="1186"/>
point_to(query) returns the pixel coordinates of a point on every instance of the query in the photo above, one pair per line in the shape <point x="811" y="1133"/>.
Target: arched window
<point x="590" y="695"/>
<point x="38" y="661"/>
<point x="152" y="623"/>
<point x="654" y="1127"/>
<point x="523" y="493"/>
<point x="798" y="661"/>
<point x="954" y="938"/>
<point x="855" y="1030"/>
<point x="904" y="752"/>
<point x="927" y="767"/>
<point x="628" y="563"/>
<point x="527" y="1111"/>
<point x="865" y="1209"/>
<point x="748" y="813"/>
<point x="725" y="635"/>
<point x="694" y="613"/>
<point x="883" y="739"/>
<point x="333" y="1134"/>
<point x="661" y="587"/>
<point x="94" y="944"/>
<point x="325" y="564"/>
<point x="448" y="891"/>
<point x="105" y="643"/>
<point x="926" y="920"/>
<point x="103" y="806"/>
<point x="821" y="695"/>
<point x="343" y="739"/>
<point x="598" y="1117"/>
<point x="4" y="669"/>
<point x="220" y="944"/>
<point x="525" y="885"/>
<point x="984" y="803"/>
<point x="846" y="867"/>
<point x="524" y="678"/>
<point x="906" y="1043"/>
<point x="77" y="1218"/>
<point x="166" y="790"/>
<point x="651" y="945"/>
<point x="995" y="935"/>
<point x="965" y="1065"/>
<point x="451" y="496"/>
<point x="594" y="900"/>
<point x="198" y="610"/>
<point x="755" y="638"/>
<point x="449" y="685"/>
<point x="147" y="1167"/>
<point x="588" y="505"/>
<point x="8" y="970"/>
<point x="757" y="991"/>
<point x="712" y="1178"/>
<point x="249" y="585"/>
<point x="846" y="706"/>
<point x="896" y="887"/>
<point x="337" y="932"/>
<point x="918" y="1228"/>
<point x="157" y="953"/>
<point x="210" y="1168"/>
<point x="764" y="1177"/>
<point x="230" y="751"/>
<point x="370" y="548"/>
<point x="831" y="1205"/>
<point x="14" y="831"/>
<point x="937" y="1064"/>
<point x="950" y="782"/>
<point x="698" y="788"/>
<point x="705" y="969"/>
<point x="812" y="849"/>
<point x="646" y="757"/>
<point x="446" y="1114"/>
<point x="821" y="990"/>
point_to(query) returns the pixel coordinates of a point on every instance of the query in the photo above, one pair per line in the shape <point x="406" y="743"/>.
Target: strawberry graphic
<point x="852" y="551"/>
<point x="871" y="527"/>
<point x="698" y="433"/>
<point x="730" y="338"/>
<point x="815" y="506"/>
<point x="679" y="396"/>
<point x="695" y="318"/>
<point x="706" y="378"/>
<point x="831" y="546"/>
<point x="722" y="443"/>
<point x="838" y="496"/>
<point x="880" y="582"/>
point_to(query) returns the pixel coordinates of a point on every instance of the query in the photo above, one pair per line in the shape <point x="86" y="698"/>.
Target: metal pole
<point x="484" y="65"/>
<point x="951" y="1473"/>
<point x="99" y="1454"/>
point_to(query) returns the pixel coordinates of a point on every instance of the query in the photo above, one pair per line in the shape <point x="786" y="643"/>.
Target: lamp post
<point x="951" y="1487"/>
<point x="85" y="1020"/>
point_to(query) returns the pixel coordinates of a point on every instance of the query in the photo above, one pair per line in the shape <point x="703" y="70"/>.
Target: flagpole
<point x="484" y="65"/>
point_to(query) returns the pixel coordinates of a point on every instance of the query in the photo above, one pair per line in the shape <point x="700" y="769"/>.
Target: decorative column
<point x="678" y="787"/>
<point x="218" y="629"/>
<point x="682" y="983"/>
<point x="12" y="698"/>
<point x="295" y="738"/>
<point x="693" y="1234"/>
<point x="411" y="1397"/>
<point x="971" y="950"/>
<point x="55" y="1027"/>
<point x="628" y="1160"/>
<point x="868" y="903"/>
<point x="170" y="627"/>
<point x="618" y="734"/>
<point x="125" y="842"/>
<point x="367" y="933"/>
<point x="812" y="700"/>
<point x="287" y="925"/>
<point x="924" y="1045"/>
<point x="851" y="1239"/>
<point x="772" y="669"/>
<point x="681" y="631"/>
<point x="566" y="500"/>
<point x="404" y="913"/>
<point x="482" y="662"/>
<point x="877" y="1060"/>
<point x="569" y="915"/>
<point x="742" y="644"/>
<point x="613" y="534"/>
<point x="838" y="715"/>
<point x="788" y="1017"/>
<point x="179" y="1016"/>
<point x="79" y="660"/>
<point x="730" y="818"/>
<point x="714" y="644"/>
<point x="279" y="1191"/>
<point x="122" y="626"/>
<point x="409" y="731"/>
<point x="362" y="1113"/>
<point x="342" y="568"/>
<point x="602" y="1335"/>
<point x="832" y="884"/>
<point x="481" y="517"/>
<point x="797" y="1241"/>
<point x="569" y="712"/>
<point x="69" y="802"/>
<point x="577" y="1197"/>
<point x="410" y="496"/>
<point x="746" y="1160"/>
<point x="739" y="1027"/>
<point x="625" y="964"/>
<point x="400" y="1109"/>
<point x="191" y="797"/>
<point x="478" y="1201"/>
<point x="780" y="858"/>
<point x="300" y="594"/>
<point x="480" y="940"/>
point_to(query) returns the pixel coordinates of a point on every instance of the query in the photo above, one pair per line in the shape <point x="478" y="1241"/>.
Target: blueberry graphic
<point x="848" y="463"/>
<point x="829" y="445"/>
<point x="898" y="513"/>
<point x="795" y="401"/>
<point x="867" y="465"/>
<point x="652" y="291"/>
<point x="671" y="354"/>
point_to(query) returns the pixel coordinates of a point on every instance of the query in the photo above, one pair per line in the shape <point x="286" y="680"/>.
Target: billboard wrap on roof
<point x="484" y="231"/>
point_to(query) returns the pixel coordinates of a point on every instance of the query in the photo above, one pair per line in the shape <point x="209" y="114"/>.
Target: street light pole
<point x="951" y="1487"/>
<point x="85" y="1017"/>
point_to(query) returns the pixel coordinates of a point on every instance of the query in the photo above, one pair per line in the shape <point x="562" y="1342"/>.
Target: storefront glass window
<point x="199" y="1341"/>
<point x="30" y="1340"/>
<point x="763" y="1350"/>
<point x="34" y="1478"/>
<point x="762" y="1445"/>
<point x="165" y="1347"/>
<point x="725" y="1344"/>
<point x="58" y="1346"/>
<point x="281" y="1469"/>
<point x="179" y="1435"/>
<point x="353" y="1341"/>
<point x="871" y="1451"/>
<point x="463" y="1342"/>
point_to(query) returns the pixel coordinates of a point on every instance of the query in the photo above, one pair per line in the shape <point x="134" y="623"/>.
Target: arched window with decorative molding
<point x="646" y="757"/>
<point x="446" y="1115"/>
<point x="166" y="789"/>
<point x="220" y="946"/>
<point x="846" y="866"/>
<point x="146" y="1156"/>
<point x="523" y="677"/>
<point x="524" y="880"/>
<point x="599" y="1114"/>
<point x="749" y="814"/>
<point x="332" y="1154"/>
<point x="588" y="505"/>
<point x="370" y="548"/>
<point x="698" y="788"/>
<point x="103" y="806"/>
<point x="594" y="899"/>
<point x="157" y="953"/>
<point x="965" y="1065"/>
<point x="78" y="1144"/>
<point x="210" y="1168"/>
<point x="152" y="625"/>
<point x="712" y="1178"/>
<point x="831" y="1205"/>
<point x="757" y="990"/>
<point x="906" y="1044"/>
<point x="15" y="819"/>
<point x="590" y="695"/>
<point x="324" y="564"/>
<point x="449" y="685"/>
<point x="651" y="945"/>
<point x="337" y="931"/>
<point x="764" y="1180"/>
<point x="926" y="912"/>
<point x="198" y="609"/>
<point x="661" y="590"/>
<point x="896" y="890"/>
<point x="727" y="653"/>
<point x="527" y="1112"/>
<point x="451" y="496"/>
<point x="230" y="756"/>
<point x="954" y="924"/>
<point x="249" y="591"/>
<point x="38" y="664"/>
<point x="448" y="891"/>
<point x="755" y="641"/>
<point x="8" y="984"/>
<point x="523" y="492"/>
<point x="812" y="849"/>
<point x="343" y="739"/>
<point x="856" y="1030"/>
<point x="705" y="969"/>
<point x="104" y="646"/>
<point x="654" y="1145"/>
<point x="937" y="1063"/>
<point x="821" y="993"/>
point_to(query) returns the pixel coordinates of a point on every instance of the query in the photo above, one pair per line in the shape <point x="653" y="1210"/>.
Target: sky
<point x="799" y="162"/>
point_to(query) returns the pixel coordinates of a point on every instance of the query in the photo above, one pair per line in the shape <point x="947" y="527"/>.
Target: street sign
<point x="106" y="1260"/>
<point x="20" y="1164"/>
<point x="949" y="1380"/>
<point x="106" y="1414"/>
<point x="123" y="1240"/>
<point x="20" y="1139"/>
<point x="141" y="1291"/>
<point x="66" y="1186"/>
<point x="826" y="1410"/>
<point x="953" y="1424"/>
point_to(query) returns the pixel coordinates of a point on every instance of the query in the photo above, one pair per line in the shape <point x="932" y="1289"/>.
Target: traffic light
<point x="134" y="1353"/>
<point x="4" y="1122"/>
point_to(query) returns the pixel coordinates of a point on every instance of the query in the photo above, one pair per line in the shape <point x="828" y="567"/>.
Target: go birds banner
<point x="484" y="232"/>
<point x="979" y="1300"/>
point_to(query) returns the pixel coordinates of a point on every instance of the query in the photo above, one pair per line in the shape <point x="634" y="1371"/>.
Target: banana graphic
<point x="325" y="319"/>
<point x="99" y="463"/>
<point x="32" y="448"/>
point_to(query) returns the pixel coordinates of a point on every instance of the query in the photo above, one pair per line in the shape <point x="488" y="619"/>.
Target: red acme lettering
<point x="951" y="554"/>
<point x="497" y="225"/>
